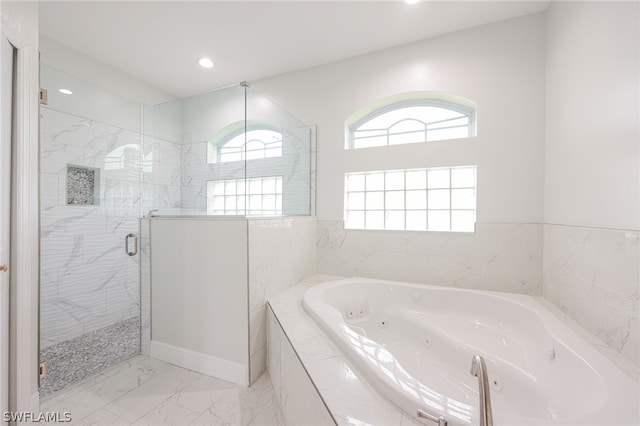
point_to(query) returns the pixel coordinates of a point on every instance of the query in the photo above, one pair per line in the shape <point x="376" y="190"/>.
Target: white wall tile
<point x="500" y="257"/>
<point x="592" y="274"/>
<point x="281" y="253"/>
<point x="299" y="400"/>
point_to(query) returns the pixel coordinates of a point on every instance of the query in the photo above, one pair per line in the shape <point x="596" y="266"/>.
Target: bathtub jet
<point x="414" y="343"/>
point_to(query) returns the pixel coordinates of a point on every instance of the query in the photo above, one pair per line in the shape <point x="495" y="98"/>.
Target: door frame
<point x="25" y="226"/>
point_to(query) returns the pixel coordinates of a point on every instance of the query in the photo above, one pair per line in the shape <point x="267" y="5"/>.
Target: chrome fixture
<point x="440" y="421"/>
<point x="479" y="370"/>
<point x="4" y="268"/>
<point x="151" y="212"/>
<point x="135" y="244"/>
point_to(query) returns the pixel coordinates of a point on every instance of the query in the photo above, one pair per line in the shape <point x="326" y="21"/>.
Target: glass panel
<point x="463" y="199"/>
<point x="462" y="177"/>
<point x="444" y="134"/>
<point x="417" y="220"/>
<point x="394" y="180"/>
<point x="375" y="219"/>
<point x="355" y="220"/>
<point x="416" y="200"/>
<point x="394" y="220"/>
<point x="295" y="161"/>
<point x="355" y="201"/>
<point x="438" y="199"/>
<point x="439" y="178"/>
<point x="416" y="179"/>
<point x="438" y="220"/>
<point x="394" y="200"/>
<point x="370" y="142"/>
<point x="375" y="181"/>
<point x="463" y="220"/>
<point x="355" y="182"/>
<point x="92" y="160"/>
<point x="407" y="124"/>
<point x="375" y="200"/>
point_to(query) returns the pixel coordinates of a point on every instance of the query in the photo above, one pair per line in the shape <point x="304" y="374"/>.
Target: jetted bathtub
<point x="414" y="344"/>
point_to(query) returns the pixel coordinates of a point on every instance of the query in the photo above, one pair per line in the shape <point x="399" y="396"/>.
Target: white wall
<point x="592" y="173"/>
<point x="20" y="24"/>
<point x="99" y="73"/>
<point x="500" y="66"/>
<point x="592" y="181"/>
<point x="199" y="295"/>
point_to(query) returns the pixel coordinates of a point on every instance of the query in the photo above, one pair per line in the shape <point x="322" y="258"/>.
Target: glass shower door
<point x="91" y="172"/>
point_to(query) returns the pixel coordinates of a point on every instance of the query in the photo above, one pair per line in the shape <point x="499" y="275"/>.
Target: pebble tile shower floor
<point x="145" y="391"/>
<point x="86" y="355"/>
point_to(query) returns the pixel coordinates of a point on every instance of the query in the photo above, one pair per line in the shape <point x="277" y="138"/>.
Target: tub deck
<point x="349" y="399"/>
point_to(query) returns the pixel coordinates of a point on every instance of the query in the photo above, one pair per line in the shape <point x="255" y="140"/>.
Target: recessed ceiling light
<point x="205" y="62"/>
<point x="65" y="91"/>
<point x="411" y="1"/>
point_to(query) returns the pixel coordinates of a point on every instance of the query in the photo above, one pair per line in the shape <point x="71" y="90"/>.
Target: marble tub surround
<point x="349" y="399"/>
<point x="502" y="257"/>
<point x="75" y="359"/>
<point x="282" y="252"/>
<point x="592" y="275"/>
<point x="145" y="391"/>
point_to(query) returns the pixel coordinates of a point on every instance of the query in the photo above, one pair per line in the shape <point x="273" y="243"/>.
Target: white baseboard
<point x="201" y="363"/>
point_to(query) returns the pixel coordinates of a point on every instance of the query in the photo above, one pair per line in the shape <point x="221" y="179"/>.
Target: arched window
<point x="256" y="142"/>
<point x="421" y="199"/>
<point x="414" y="120"/>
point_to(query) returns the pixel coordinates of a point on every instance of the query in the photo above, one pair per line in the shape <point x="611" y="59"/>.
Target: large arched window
<point x="418" y="119"/>
<point x="251" y="143"/>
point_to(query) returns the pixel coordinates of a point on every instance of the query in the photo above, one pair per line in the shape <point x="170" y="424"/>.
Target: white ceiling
<point x="159" y="41"/>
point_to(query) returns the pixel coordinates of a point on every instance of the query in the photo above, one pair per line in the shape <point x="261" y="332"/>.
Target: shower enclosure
<point x="91" y="165"/>
<point x="229" y="165"/>
<point x="234" y="229"/>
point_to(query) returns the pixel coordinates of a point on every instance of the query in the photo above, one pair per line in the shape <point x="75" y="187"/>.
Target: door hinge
<point x="44" y="97"/>
<point x="42" y="371"/>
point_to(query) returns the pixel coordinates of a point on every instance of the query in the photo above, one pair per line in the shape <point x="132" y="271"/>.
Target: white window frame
<point x="214" y="150"/>
<point x="405" y="188"/>
<point x="424" y="102"/>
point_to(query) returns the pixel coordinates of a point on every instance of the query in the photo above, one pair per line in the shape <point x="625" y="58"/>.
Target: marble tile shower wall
<point x="592" y="275"/>
<point x="502" y="257"/>
<point x="87" y="280"/>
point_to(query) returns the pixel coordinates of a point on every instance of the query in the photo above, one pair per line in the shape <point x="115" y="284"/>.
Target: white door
<point x="6" y="86"/>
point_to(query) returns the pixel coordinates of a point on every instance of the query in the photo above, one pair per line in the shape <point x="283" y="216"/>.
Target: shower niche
<point x="83" y="185"/>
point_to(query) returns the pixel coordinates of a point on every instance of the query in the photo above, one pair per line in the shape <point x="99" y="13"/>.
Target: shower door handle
<point x="135" y="244"/>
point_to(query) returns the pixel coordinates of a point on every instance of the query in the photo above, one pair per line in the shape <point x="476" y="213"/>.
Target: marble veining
<point x="502" y="257"/>
<point x="145" y="391"/>
<point x="592" y="275"/>
<point x="281" y="254"/>
<point x="87" y="280"/>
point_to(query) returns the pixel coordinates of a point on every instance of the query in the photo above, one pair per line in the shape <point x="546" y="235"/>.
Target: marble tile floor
<point x="145" y="391"/>
<point x="83" y="356"/>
